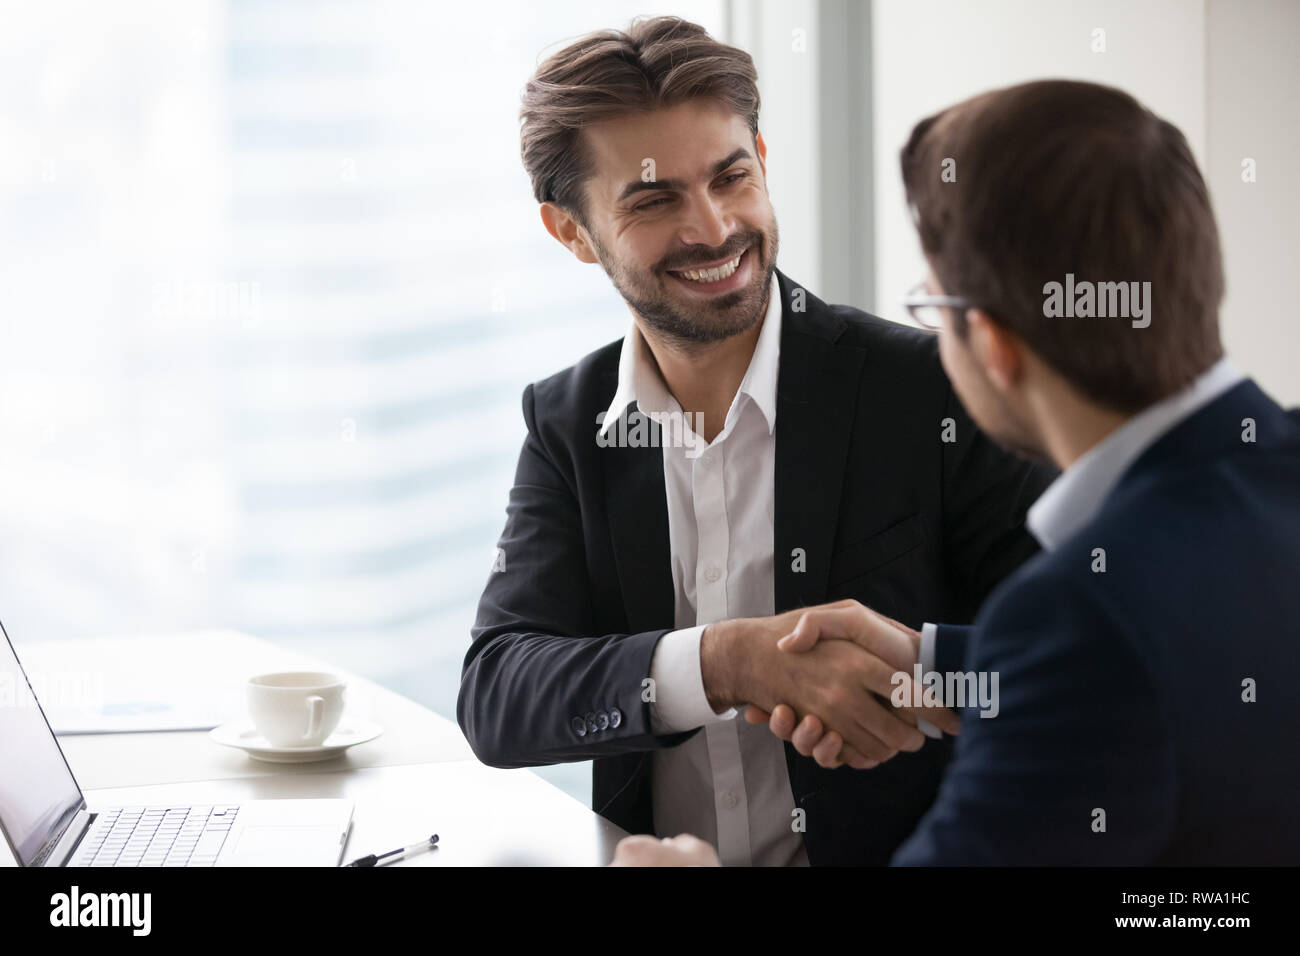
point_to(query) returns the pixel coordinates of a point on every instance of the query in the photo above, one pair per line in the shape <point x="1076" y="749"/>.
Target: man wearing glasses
<point x="1146" y="659"/>
<point x="745" y="451"/>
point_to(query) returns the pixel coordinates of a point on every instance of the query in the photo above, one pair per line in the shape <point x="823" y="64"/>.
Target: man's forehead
<point x="682" y="141"/>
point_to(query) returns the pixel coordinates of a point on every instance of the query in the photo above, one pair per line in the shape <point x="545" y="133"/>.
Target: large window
<point x="275" y="281"/>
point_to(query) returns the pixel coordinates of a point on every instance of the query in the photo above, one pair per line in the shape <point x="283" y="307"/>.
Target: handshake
<point x="825" y="679"/>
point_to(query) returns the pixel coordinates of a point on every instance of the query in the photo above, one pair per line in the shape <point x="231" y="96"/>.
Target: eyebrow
<point x="632" y="188"/>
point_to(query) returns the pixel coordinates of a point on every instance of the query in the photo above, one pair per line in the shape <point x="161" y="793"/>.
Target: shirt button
<point x="579" y="726"/>
<point x="712" y="574"/>
<point x="729" y="800"/>
<point x="615" y="716"/>
<point x="706" y="461"/>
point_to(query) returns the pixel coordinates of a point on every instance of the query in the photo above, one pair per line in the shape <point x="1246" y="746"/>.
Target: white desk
<point x="419" y="777"/>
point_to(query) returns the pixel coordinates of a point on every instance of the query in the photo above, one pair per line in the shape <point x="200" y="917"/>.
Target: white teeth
<point x="712" y="275"/>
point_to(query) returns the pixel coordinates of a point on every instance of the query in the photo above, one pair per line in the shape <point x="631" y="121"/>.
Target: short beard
<point x="732" y="314"/>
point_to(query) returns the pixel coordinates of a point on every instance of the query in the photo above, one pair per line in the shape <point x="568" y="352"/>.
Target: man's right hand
<point x="844" y="683"/>
<point x="851" y="621"/>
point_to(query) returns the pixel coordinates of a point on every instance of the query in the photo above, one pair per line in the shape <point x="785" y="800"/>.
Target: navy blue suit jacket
<point x="1125" y="692"/>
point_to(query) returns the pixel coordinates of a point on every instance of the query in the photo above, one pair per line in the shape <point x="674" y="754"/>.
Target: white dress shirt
<point x="1077" y="494"/>
<point x="728" y="784"/>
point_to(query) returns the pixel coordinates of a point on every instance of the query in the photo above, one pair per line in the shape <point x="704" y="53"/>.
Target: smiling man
<point x="678" y="488"/>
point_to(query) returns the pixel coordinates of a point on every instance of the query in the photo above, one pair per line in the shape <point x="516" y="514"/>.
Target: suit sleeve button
<point x="591" y="722"/>
<point x="615" y="717"/>
<point x="602" y="720"/>
<point x="579" y="726"/>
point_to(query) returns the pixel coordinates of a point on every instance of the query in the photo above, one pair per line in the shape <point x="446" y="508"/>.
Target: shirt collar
<point x="639" y="379"/>
<point x="1075" y="497"/>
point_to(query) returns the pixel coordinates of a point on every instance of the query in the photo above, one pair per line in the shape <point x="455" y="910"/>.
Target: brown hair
<point x="657" y="62"/>
<point x="1059" y="177"/>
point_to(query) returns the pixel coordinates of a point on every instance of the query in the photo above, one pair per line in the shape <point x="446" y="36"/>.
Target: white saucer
<point x="241" y="734"/>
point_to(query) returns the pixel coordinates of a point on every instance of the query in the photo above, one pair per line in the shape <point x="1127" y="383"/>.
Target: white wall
<point x="1225" y="72"/>
<point x="930" y="54"/>
<point x="1253" y="81"/>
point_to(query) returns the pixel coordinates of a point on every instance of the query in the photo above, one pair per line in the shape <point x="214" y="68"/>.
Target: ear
<point x="998" y="350"/>
<point x="567" y="231"/>
<point x="762" y="153"/>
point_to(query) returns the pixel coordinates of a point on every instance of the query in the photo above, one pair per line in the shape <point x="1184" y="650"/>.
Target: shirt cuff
<point x="929" y="632"/>
<point x="680" y="703"/>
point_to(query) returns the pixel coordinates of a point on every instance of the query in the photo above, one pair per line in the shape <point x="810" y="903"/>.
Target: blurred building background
<point x="274" y="279"/>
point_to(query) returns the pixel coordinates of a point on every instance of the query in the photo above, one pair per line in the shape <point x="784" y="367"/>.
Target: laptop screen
<point x="38" y="795"/>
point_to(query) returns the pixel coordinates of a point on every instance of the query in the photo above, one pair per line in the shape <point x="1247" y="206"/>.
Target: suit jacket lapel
<point x="638" y="524"/>
<point x="817" y="398"/>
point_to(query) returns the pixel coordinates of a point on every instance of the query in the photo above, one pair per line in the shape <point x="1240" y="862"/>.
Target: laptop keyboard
<point x="157" y="836"/>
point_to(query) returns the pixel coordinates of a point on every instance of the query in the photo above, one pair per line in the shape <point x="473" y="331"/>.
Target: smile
<point x="713" y="274"/>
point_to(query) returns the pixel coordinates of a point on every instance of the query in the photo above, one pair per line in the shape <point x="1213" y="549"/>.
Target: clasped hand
<point x="834" y="704"/>
<point x="816" y="676"/>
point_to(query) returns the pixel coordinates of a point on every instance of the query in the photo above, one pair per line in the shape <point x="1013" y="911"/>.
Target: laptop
<point x="46" y="821"/>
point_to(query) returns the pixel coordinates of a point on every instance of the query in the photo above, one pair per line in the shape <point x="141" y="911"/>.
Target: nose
<point x="707" y="222"/>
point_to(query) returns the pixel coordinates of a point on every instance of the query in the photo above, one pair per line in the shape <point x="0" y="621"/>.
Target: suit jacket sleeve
<point x="1079" y="728"/>
<point x="950" y="644"/>
<point x="986" y="492"/>
<point x="535" y="671"/>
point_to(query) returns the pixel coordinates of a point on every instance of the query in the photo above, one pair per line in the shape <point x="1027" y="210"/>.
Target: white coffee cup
<point x="295" y="708"/>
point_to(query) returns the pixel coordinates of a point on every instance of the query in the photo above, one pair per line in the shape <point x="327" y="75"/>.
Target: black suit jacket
<point x="884" y="509"/>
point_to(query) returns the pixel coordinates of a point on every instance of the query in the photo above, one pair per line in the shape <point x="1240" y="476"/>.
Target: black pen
<point x="401" y="854"/>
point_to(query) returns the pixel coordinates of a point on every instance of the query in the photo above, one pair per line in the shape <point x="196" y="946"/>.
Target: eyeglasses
<point x="926" y="310"/>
